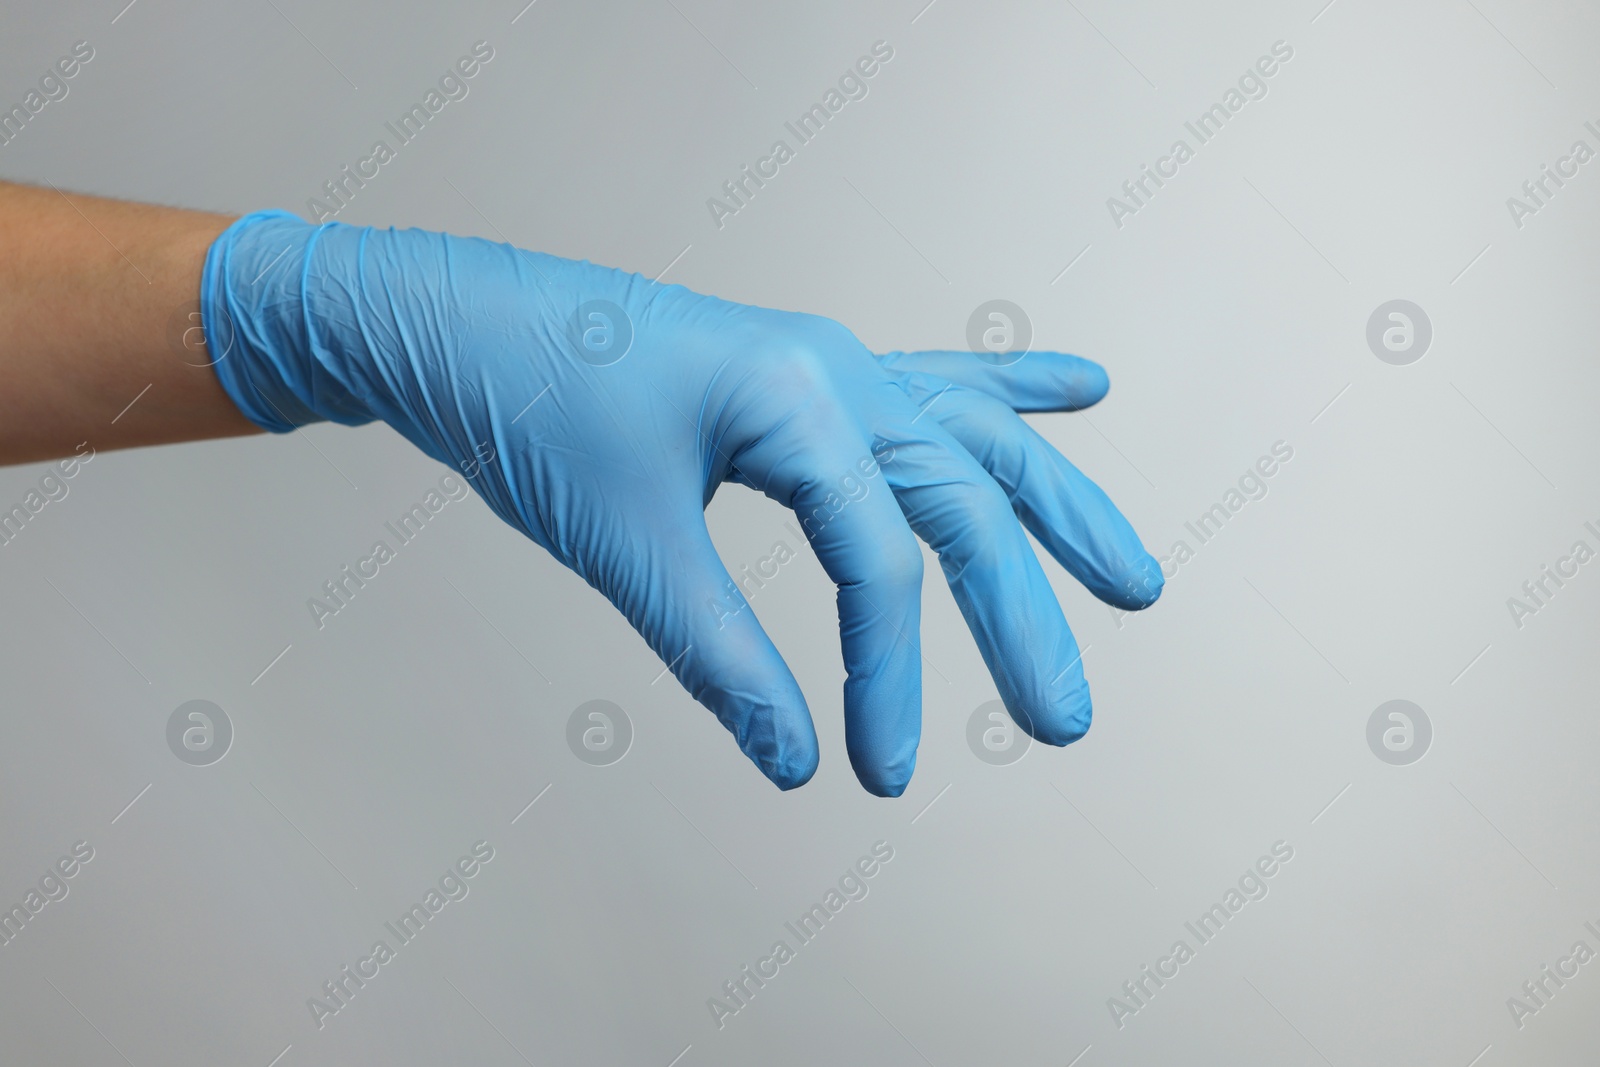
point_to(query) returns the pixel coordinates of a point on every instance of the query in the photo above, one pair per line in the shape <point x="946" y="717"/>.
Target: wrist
<point x="258" y="295"/>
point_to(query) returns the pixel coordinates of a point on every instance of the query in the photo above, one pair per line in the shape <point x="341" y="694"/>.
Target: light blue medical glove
<point x="614" y="407"/>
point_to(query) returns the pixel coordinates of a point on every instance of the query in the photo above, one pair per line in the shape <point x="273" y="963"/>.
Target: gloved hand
<point x="599" y="412"/>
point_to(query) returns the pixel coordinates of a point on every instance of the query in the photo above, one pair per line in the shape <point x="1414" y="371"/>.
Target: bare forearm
<point x="99" y="305"/>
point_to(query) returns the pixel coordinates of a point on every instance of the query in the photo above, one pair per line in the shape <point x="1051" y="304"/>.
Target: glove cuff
<point x="256" y="311"/>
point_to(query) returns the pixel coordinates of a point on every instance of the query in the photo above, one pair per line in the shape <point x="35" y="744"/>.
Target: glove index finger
<point x="668" y="580"/>
<point x="1025" y="381"/>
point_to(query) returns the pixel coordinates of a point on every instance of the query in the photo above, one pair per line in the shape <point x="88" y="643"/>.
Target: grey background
<point x="1230" y="312"/>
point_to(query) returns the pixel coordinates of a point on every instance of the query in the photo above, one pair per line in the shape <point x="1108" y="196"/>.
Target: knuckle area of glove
<point x="996" y="438"/>
<point x="805" y="351"/>
<point x="896" y="571"/>
<point x="975" y="527"/>
<point x="874" y="563"/>
<point x="796" y="369"/>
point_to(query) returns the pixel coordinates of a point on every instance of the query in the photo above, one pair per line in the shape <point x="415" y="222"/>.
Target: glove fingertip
<point x="1069" y="719"/>
<point x="783" y="745"/>
<point x="1139" y="587"/>
<point x="790" y="773"/>
<point x="1087" y="385"/>
<point x="887" y="782"/>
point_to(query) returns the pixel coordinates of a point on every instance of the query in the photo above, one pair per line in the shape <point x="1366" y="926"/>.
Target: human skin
<point x="95" y="296"/>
